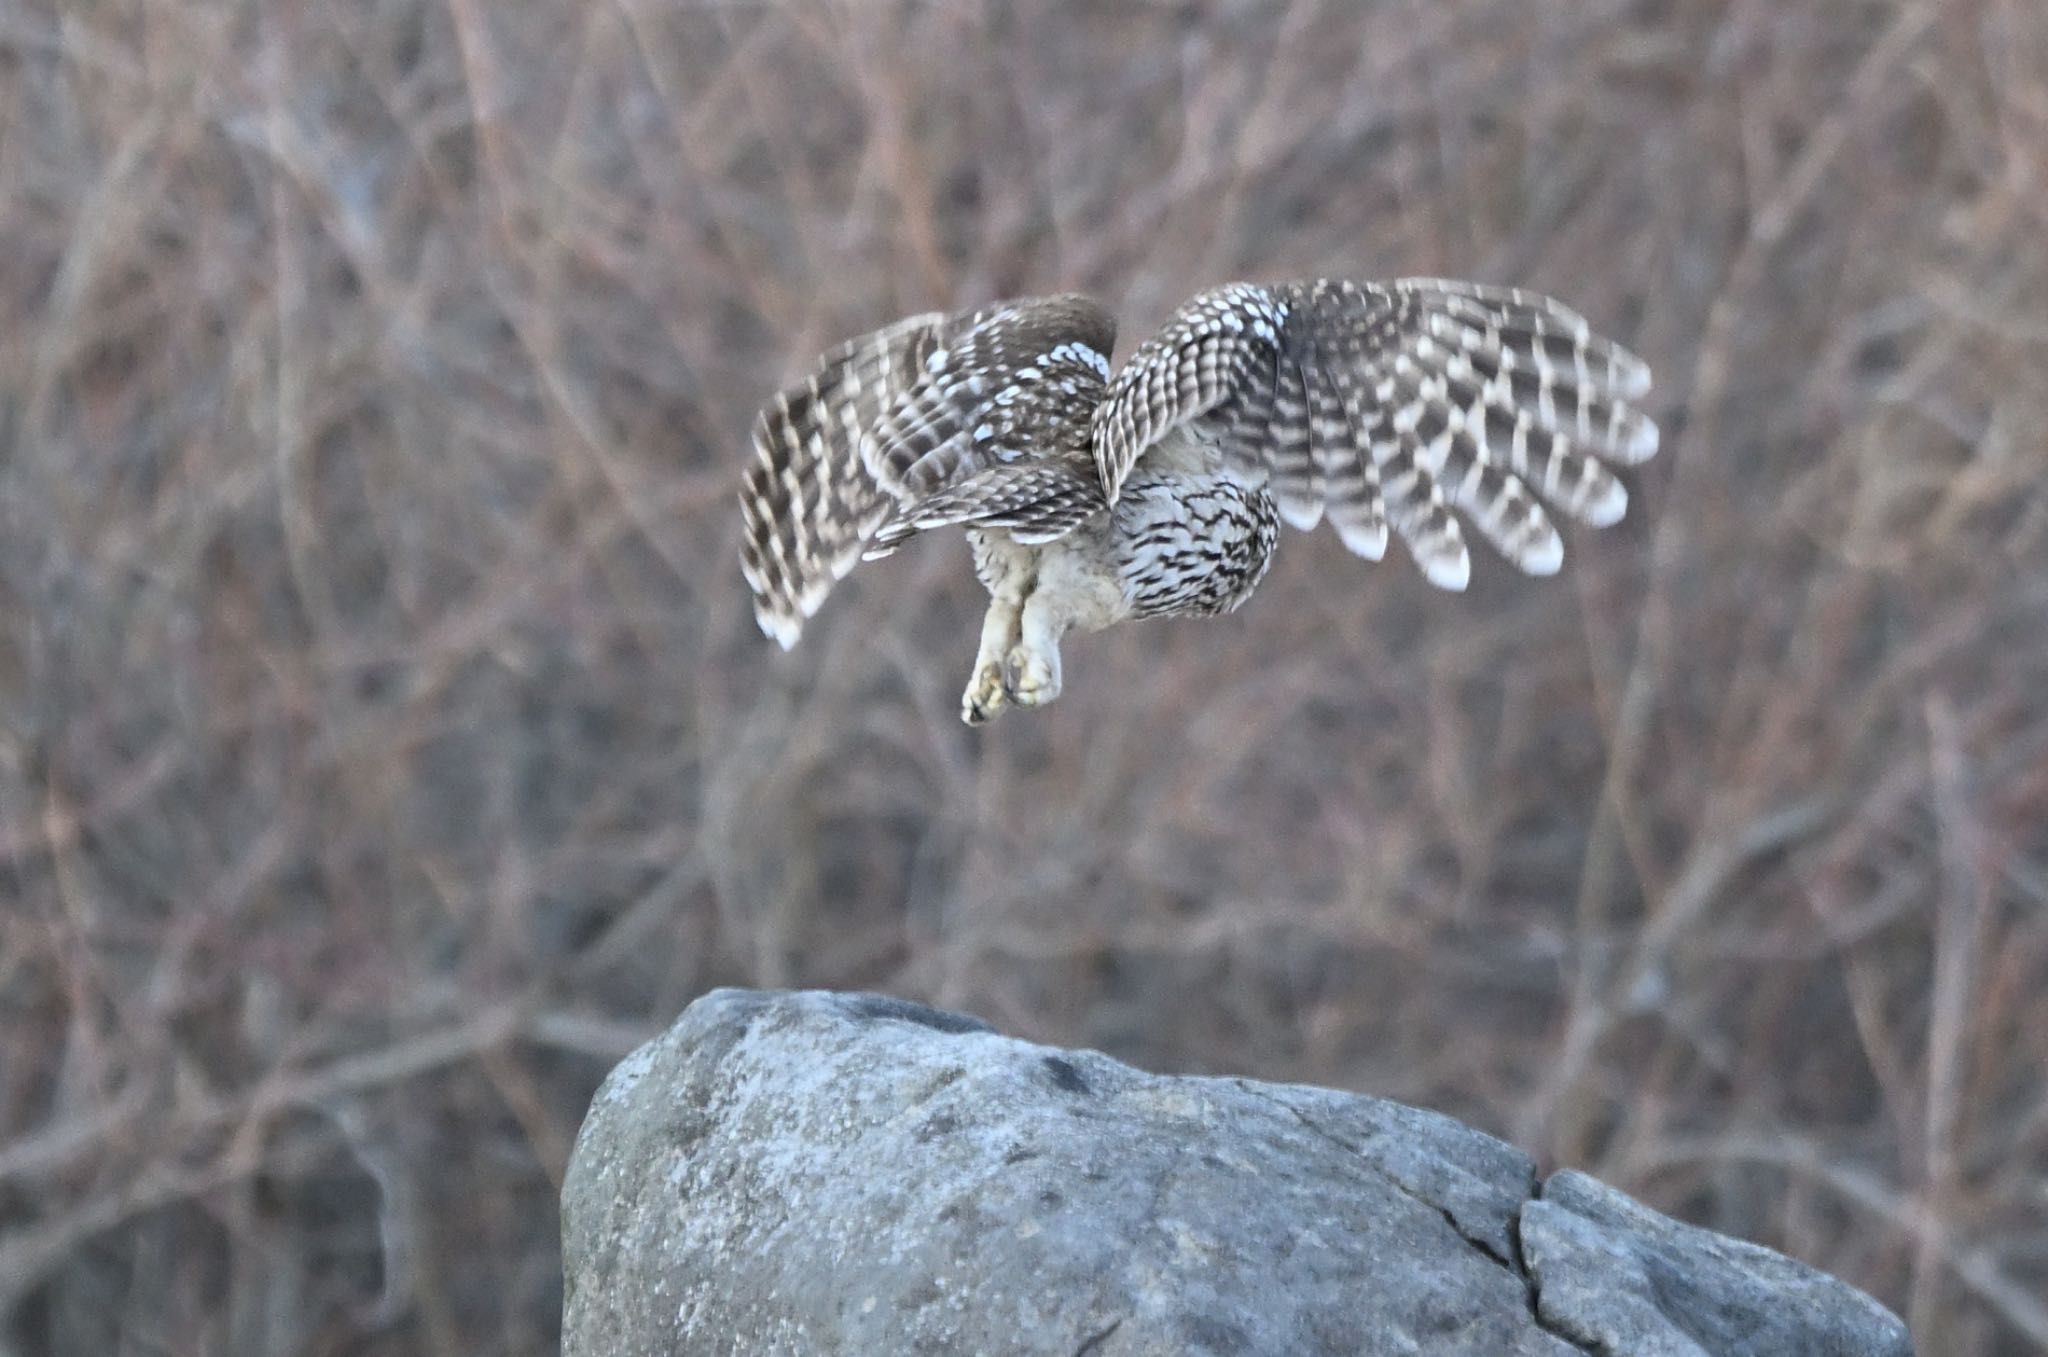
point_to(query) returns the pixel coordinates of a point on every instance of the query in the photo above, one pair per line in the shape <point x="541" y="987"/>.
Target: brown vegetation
<point x="386" y="746"/>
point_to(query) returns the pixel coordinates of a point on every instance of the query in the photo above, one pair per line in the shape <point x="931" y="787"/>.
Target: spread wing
<point x="935" y="420"/>
<point x="1382" y="404"/>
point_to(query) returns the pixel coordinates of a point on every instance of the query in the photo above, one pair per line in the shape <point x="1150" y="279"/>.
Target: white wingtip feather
<point x="1607" y="510"/>
<point x="1634" y="377"/>
<point x="1643" y="446"/>
<point x="781" y="629"/>
<point x="1546" y="558"/>
<point x="1361" y="540"/>
<point x="1301" y="514"/>
<point x="1451" y="570"/>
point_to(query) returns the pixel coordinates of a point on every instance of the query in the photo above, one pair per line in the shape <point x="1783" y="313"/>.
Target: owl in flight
<point x="1092" y="495"/>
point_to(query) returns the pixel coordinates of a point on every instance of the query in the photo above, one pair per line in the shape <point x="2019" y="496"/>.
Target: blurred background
<point x="386" y="745"/>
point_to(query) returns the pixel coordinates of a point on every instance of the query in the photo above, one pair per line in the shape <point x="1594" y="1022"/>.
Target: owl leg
<point x="1077" y="588"/>
<point x="985" y="695"/>
<point x="1008" y="571"/>
<point x="1031" y="670"/>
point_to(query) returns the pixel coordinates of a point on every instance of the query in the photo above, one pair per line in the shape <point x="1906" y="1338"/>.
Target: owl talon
<point x="1030" y="679"/>
<point x="985" y="697"/>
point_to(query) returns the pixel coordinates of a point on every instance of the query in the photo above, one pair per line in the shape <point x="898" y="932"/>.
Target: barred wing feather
<point x="1383" y="405"/>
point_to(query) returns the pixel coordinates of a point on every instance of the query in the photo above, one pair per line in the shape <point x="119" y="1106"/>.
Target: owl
<point x="1093" y="494"/>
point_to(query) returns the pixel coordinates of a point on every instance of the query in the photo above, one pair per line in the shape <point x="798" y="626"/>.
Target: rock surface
<point x="828" y="1173"/>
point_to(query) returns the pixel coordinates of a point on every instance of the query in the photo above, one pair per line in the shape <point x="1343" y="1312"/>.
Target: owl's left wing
<point x="977" y="418"/>
<point x="1394" y="403"/>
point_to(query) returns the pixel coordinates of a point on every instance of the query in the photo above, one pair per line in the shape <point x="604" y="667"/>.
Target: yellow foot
<point x="985" y="697"/>
<point x="1030" y="678"/>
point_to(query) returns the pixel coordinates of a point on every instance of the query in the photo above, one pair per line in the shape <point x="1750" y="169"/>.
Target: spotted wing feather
<point x="1392" y="404"/>
<point x="809" y="502"/>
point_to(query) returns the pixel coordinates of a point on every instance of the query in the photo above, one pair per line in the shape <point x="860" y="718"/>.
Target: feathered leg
<point x="985" y="696"/>
<point x="1031" y="670"/>
<point x="1075" y="587"/>
<point x="1008" y="571"/>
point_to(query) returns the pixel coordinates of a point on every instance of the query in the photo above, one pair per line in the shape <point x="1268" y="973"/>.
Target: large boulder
<point x="846" y="1173"/>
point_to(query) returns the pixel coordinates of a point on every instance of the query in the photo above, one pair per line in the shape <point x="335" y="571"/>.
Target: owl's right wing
<point x="979" y="418"/>
<point x="1393" y="403"/>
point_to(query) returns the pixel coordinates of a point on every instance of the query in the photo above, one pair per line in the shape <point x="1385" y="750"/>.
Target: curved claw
<point x="986" y="696"/>
<point x="1030" y="678"/>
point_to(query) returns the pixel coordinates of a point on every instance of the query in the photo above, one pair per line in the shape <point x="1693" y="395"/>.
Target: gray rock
<point x="1615" y="1276"/>
<point x="825" y="1173"/>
